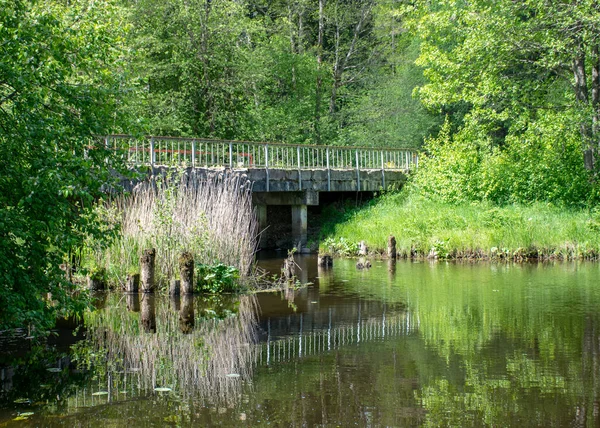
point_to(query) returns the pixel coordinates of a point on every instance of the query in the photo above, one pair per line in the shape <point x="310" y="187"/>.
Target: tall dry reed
<point x="210" y="216"/>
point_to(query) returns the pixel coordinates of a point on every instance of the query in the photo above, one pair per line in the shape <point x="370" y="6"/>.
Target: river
<point x="403" y="344"/>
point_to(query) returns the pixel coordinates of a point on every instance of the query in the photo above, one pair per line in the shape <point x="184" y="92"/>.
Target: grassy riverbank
<point x="423" y="227"/>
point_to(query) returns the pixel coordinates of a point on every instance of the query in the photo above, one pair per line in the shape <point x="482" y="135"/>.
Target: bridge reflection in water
<point x="297" y="337"/>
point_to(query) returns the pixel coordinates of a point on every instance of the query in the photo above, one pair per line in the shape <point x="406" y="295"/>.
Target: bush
<point x="218" y="278"/>
<point x="540" y="160"/>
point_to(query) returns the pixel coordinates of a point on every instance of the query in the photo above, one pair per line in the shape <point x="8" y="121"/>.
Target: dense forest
<point x="502" y="96"/>
<point x="316" y="71"/>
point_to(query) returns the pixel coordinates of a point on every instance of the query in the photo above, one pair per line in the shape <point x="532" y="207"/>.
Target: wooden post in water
<point x="97" y="281"/>
<point x="324" y="260"/>
<point x="147" y="263"/>
<point x="288" y="269"/>
<point x="391" y="249"/>
<point x="362" y="248"/>
<point x="186" y="272"/>
<point x="132" y="284"/>
<point x="96" y="284"/>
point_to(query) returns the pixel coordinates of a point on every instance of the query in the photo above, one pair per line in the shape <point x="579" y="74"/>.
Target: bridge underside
<point x="301" y="189"/>
<point x="298" y="189"/>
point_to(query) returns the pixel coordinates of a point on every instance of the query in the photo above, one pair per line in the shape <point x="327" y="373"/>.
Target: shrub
<point x="217" y="278"/>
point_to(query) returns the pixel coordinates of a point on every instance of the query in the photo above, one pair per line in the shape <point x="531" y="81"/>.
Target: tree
<point x="499" y="70"/>
<point x="58" y="89"/>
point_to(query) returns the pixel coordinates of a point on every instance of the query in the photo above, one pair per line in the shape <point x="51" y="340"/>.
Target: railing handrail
<point x="261" y="143"/>
<point x="211" y="153"/>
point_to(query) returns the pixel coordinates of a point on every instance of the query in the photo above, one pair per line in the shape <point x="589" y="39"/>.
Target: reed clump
<point x="211" y="217"/>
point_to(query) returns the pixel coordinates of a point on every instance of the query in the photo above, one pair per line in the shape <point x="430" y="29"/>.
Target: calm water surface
<point x="410" y="344"/>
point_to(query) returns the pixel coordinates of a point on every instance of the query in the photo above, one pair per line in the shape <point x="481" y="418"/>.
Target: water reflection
<point x="186" y="314"/>
<point x="399" y="344"/>
<point x="133" y="302"/>
<point x="200" y="363"/>
<point x="148" y="315"/>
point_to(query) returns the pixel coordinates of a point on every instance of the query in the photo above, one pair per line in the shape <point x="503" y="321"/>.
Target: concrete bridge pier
<point x="298" y="201"/>
<point x="299" y="226"/>
<point x="261" y="213"/>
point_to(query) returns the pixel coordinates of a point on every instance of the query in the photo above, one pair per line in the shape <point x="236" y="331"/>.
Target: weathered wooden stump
<point x="391" y="248"/>
<point x="96" y="284"/>
<point x="174" y="287"/>
<point x="147" y="265"/>
<point x="148" y="314"/>
<point x="362" y="248"/>
<point x="186" y="272"/>
<point x="324" y="260"/>
<point x="132" y="283"/>
<point x="97" y="280"/>
<point x="186" y="314"/>
<point x="288" y="269"/>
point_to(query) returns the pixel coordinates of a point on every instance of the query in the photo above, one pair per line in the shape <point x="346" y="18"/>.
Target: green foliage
<point x="250" y="71"/>
<point x="58" y="88"/>
<point x="217" y="278"/>
<point x="517" y="115"/>
<point x="340" y="246"/>
<point x="542" y="163"/>
<point x="386" y="112"/>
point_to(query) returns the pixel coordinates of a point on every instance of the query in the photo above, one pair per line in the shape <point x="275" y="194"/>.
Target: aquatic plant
<point x="218" y="278"/>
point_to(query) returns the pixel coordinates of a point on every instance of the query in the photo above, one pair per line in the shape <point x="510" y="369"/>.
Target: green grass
<point x="475" y="230"/>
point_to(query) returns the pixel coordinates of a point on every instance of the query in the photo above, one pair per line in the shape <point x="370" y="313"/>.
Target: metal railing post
<point x="267" y="164"/>
<point x="230" y="155"/>
<point x="193" y="153"/>
<point x="299" y="170"/>
<point x="328" y="171"/>
<point x="357" y="172"/>
<point x="382" y="171"/>
<point x="152" y="154"/>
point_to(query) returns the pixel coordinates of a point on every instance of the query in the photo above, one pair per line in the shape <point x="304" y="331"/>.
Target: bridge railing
<point x="201" y="152"/>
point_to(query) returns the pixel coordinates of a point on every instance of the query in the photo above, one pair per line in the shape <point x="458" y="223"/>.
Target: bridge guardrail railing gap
<point x="210" y="153"/>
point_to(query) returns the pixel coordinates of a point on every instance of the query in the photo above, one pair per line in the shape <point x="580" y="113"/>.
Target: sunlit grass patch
<point x="425" y="227"/>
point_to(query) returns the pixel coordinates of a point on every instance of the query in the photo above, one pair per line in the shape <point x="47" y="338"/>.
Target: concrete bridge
<point x="282" y="174"/>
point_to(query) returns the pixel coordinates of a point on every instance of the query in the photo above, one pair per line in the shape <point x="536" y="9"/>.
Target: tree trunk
<point x="319" y="89"/>
<point x="581" y="94"/>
